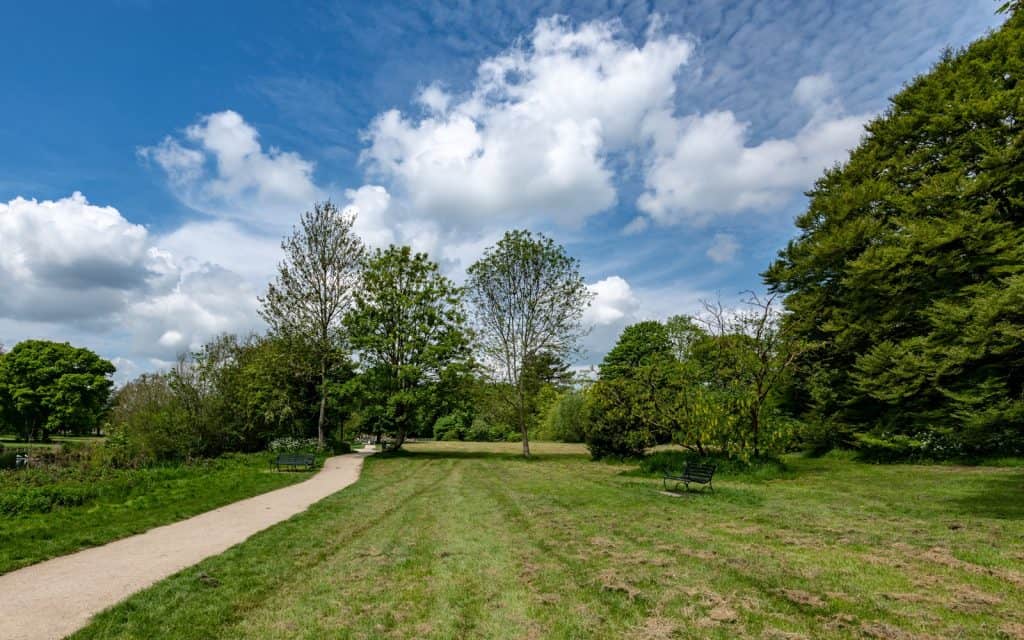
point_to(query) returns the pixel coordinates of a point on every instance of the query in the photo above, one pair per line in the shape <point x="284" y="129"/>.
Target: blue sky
<point x="154" y="152"/>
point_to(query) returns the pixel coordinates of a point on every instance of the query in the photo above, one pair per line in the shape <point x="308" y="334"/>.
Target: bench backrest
<point x="294" y="458"/>
<point x="699" y="472"/>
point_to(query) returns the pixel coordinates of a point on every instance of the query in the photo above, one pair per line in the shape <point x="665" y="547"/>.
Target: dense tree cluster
<point x="714" y="384"/>
<point x="49" y="387"/>
<point x="908" y="270"/>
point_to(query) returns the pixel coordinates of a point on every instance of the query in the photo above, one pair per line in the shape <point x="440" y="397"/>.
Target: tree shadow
<point x="999" y="496"/>
<point x="438" y="454"/>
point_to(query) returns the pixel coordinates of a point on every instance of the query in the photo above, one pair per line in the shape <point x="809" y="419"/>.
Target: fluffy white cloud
<point x="220" y="168"/>
<point x="613" y="300"/>
<point x="205" y="301"/>
<point x="723" y="248"/>
<point x="532" y="136"/>
<point x="69" y="260"/>
<point x="221" y="242"/>
<point x="71" y="268"/>
<point x="703" y="166"/>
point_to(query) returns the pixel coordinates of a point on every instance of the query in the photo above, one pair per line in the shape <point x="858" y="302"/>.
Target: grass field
<point x="50" y="512"/>
<point x="11" y="441"/>
<point x="460" y="540"/>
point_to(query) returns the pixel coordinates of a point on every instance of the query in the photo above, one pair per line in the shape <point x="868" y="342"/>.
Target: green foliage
<point x="48" y="387"/>
<point x="909" y="265"/>
<point x="79" y="500"/>
<point x="232" y="395"/>
<point x="639" y="344"/>
<point x="454" y="426"/>
<point x="565" y="418"/>
<point x="290" y="444"/>
<point x="528" y="299"/>
<point x="705" y="390"/>
<point x="314" y="288"/>
<point x="408" y="327"/>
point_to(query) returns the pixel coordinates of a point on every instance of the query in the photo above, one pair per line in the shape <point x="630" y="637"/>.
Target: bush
<point x="339" y="447"/>
<point x="565" y="419"/>
<point x="612" y="428"/>
<point x="294" y="445"/>
<point x="451" y="427"/>
<point x="888" y="447"/>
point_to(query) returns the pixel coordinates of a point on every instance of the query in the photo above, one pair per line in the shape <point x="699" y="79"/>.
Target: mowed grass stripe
<point x="468" y="541"/>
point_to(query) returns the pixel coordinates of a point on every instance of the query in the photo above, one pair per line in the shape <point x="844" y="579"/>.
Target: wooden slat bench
<point x="693" y="473"/>
<point x="294" y="460"/>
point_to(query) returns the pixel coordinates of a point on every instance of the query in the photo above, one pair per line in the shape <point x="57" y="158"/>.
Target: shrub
<point x="451" y="427"/>
<point x="565" y="419"/>
<point x="294" y="445"/>
<point x="612" y="427"/>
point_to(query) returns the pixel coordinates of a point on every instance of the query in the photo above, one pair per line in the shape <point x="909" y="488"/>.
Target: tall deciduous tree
<point x="408" y="328"/>
<point x="528" y="299"/>
<point x="52" y="386"/>
<point x="315" y="286"/>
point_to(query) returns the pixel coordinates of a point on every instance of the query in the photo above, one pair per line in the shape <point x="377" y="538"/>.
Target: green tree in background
<point x="50" y="386"/>
<point x="639" y="344"/>
<point x="909" y="266"/>
<point x="408" y="328"/>
<point x="314" y="288"/>
<point x="528" y="299"/>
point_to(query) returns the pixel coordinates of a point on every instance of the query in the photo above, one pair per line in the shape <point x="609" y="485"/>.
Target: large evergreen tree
<point x="909" y="264"/>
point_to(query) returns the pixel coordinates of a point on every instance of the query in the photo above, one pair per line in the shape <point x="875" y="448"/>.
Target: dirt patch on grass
<point x="802" y="598"/>
<point x="886" y="631"/>
<point x="654" y="628"/>
<point x="945" y="557"/>
<point x="610" y="580"/>
<point x="1014" y="630"/>
<point x="970" y="600"/>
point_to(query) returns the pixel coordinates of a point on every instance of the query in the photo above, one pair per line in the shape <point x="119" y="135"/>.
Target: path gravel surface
<point x="57" y="597"/>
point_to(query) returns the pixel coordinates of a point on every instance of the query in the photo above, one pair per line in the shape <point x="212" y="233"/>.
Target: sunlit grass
<point x="455" y="540"/>
<point x="122" y="502"/>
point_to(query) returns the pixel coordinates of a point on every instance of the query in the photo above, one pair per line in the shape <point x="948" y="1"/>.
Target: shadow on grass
<point x="672" y="462"/>
<point x="438" y="454"/>
<point x="999" y="496"/>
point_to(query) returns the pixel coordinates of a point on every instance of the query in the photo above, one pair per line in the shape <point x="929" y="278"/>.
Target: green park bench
<point x="692" y="473"/>
<point x="294" y="460"/>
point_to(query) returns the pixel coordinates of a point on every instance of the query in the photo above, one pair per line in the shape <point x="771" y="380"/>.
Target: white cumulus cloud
<point x="70" y="268"/>
<point x="613" y="300"/>
<point x="531" y="138"/>
<point x="221" y="168"/>
<point x="703" y="166"/>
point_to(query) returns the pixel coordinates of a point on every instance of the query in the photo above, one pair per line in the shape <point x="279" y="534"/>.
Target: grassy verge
<point x="11" y="441"/>
<point x="50" y="512"/>
<point x="455" y="540"/>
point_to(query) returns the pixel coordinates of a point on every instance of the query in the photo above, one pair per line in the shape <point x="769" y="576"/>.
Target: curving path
<point x="57" y="597"/>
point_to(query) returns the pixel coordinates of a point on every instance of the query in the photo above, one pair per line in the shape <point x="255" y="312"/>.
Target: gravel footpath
<point x="57" y="597"/>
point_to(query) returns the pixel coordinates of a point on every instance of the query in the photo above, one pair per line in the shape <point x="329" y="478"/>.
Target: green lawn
<point x="51" y="512"/>
<point x="11" y="441"/>
<point x="459" y="540"/>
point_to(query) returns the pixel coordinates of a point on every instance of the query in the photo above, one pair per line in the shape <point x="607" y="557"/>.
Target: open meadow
<point x="463" y="540"/>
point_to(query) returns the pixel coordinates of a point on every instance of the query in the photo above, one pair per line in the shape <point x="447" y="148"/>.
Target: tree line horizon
<point x="892" y="323"/>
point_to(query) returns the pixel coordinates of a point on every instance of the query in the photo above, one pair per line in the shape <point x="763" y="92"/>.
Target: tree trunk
<point x="323" y="404"/>
<point x="755" y="421"/>
<point x="522" y="422"/>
